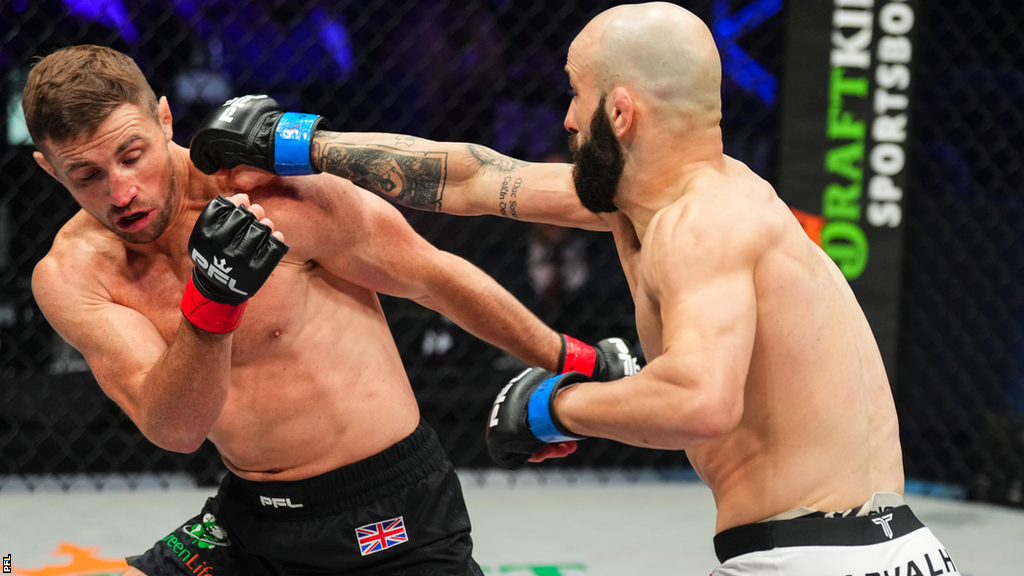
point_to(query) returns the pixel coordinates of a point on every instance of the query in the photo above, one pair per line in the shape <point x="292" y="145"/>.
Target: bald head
<point x="662" y="51"/>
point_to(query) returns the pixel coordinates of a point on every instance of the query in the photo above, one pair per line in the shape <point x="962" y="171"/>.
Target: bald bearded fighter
<point x="253" y="320"/>
<point x="762" y="365"/>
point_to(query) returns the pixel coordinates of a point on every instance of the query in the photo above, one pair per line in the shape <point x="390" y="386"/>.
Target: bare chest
<point x="648" y="322"/>
<point x="648" y="312"/>
<point x="154" y="289"/>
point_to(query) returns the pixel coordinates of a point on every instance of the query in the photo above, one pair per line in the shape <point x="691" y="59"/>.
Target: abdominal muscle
<point x="315" y="384"/>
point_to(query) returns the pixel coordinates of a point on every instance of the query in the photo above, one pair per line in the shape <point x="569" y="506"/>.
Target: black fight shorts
<point x="398" y="512"/>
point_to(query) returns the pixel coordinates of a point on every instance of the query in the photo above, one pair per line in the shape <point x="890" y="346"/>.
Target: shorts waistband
<point x="849" y="531"/>
<point x="354" y="485"/>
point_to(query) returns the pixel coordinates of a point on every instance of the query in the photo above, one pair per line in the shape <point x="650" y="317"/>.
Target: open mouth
<point x="128" y="222"/>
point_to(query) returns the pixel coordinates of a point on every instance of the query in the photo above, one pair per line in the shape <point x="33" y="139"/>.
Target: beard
<point x="597" y="163"/>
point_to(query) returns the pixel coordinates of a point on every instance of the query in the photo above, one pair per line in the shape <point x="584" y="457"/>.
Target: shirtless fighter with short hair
<point x="761" y="364"/>
<point x="254" y="321"/>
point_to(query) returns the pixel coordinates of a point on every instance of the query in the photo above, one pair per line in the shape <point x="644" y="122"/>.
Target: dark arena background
<point x="923" y="206"/>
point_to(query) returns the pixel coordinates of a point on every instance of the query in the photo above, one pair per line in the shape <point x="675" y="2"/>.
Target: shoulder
<point x="297" y="203"/>
<point x="84" y="244"/>
<point x="82" y="253"/>
<point x="721" y="219"/>
<point x="323" y="215"/>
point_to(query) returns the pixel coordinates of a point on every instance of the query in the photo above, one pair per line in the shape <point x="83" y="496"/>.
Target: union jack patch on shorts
<point x="381" y="535"/>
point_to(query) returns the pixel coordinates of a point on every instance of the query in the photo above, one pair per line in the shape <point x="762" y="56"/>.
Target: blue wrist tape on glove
<point x="538" y="413"/>
<point x="291" y="144"/>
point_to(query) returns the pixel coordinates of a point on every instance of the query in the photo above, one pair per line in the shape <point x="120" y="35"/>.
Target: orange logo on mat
<point x="83" y="563"/>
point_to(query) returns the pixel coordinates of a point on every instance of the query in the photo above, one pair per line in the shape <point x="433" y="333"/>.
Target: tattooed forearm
<point x="413" y="179"/>
<point x="487" y="158"/>
<point x="406" y="141"/>
<point x="507" y="202"/>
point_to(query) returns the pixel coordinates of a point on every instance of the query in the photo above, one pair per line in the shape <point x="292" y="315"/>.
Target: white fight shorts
<point x="873" y="540"/>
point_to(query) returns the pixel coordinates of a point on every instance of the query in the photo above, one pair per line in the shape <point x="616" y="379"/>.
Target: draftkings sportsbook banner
<point x="845" y="105"/>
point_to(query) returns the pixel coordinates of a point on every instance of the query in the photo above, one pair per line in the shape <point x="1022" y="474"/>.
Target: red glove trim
<point x="577" y="357"/>
<point x="208" y="315"/>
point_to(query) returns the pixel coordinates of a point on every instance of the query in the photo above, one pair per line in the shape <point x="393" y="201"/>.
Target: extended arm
<point x="365" y="240"/>
<point x="454" y="178"/>
<point x="462" y="179"/>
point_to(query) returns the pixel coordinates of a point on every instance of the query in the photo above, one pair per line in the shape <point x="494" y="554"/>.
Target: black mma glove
<point x="522" y="419"/>
<point x="254" y="130"/>
<point x="233" y="255"/>
<point x="609" y="359"/>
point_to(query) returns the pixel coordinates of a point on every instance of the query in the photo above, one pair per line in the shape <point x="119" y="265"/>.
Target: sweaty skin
<point x="761" y="364"/>
<point x="312" y="379"/>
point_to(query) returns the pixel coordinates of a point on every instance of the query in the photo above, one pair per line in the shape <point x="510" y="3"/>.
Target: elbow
<point x="180" y="441"/>
<point x="466" y="198"/>
<point x="188" y="445"/>
<point x="711" y="429"/>
<point x="701" y="422"/>
<point x="718" y="418"/>
<point x="182" y="445"/>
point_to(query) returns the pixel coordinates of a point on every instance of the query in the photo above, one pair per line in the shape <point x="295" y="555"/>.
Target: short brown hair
<point x="73" y="90"/>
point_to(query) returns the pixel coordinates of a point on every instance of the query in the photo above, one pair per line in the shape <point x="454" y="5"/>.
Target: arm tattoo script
<point x="413" y="179"/>
<point x="487" y="158"/>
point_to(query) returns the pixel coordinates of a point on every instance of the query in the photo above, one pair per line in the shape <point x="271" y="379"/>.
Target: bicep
<point x="712" y="318"/>
<point x="704" y="284"/>
<point x="119" y="344"/>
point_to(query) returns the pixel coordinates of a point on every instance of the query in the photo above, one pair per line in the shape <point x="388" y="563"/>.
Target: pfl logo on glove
<point x="501" y="398"/>
<point x="232" y="106"/>
<point x="630" y="364"/>
<point x="218" y="271"/>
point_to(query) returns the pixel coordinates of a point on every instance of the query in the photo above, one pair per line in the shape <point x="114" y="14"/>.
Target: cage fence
<point x="491" y="72"/>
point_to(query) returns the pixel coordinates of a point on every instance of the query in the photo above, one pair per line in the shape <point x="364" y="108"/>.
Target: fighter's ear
<point x="163" y="111"/>
<point x="622" y="108"/>
<point x="44" y="163"/>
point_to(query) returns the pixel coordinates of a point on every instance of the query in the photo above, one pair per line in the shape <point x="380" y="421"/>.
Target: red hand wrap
<point x="208" y="315"/>
<point x="576" y="356"/>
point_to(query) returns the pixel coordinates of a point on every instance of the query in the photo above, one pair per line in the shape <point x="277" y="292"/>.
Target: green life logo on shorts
<point x="207" y="534"/>
<point x="202" y="535"/>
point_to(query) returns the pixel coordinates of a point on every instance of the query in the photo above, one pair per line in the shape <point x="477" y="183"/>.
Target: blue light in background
<point x="186" y="8"/>
<point x="736" y="63"/>
<point x="110" y="13"/>
<point x="296" y="48"/>
<point x="334" y="38"/>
